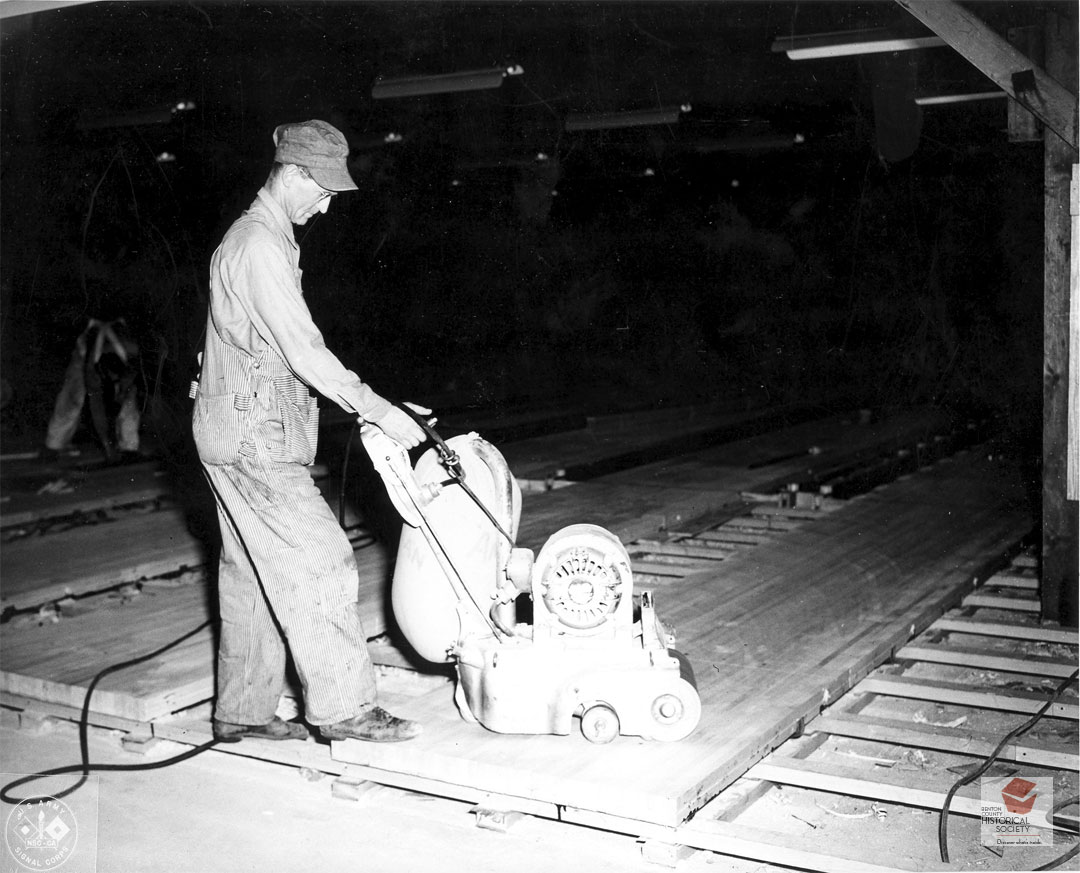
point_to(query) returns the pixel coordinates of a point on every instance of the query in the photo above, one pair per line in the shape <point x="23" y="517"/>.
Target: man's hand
<point x="399" y="426"/>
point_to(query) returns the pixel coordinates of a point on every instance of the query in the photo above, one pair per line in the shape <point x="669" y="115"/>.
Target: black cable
<point x="84" y="766"/>
<point x="943" y="816"/>
<point x="486" y="511"/>
<point x="1057" y="862"/>
<point x="344" y="474"/>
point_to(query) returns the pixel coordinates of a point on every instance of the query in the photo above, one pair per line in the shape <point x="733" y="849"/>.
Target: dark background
<point x="893" y="256"/>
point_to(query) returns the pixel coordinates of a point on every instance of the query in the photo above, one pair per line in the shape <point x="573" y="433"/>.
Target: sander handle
<point x="448" y="456"/>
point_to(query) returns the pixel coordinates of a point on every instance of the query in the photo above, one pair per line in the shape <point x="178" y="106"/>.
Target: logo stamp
<point x="41" y="833"/>
<point x="1016" y="811"/>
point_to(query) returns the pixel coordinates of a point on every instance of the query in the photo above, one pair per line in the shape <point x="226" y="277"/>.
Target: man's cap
<point x="318" y="147"/>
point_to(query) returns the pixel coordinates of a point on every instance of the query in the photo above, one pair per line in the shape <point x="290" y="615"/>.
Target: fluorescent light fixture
<point x="366" y="142"/>
<point x="632" y="118"/>
<point x="942" y="99"/>
<point x="763" y="142"/>
<point x="135" y="118"/>
<point x="443" y="83"/>
<point x="851" y="42"/>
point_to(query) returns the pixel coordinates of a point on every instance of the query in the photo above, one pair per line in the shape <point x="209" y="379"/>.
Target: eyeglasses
<point x="325" y="192"/>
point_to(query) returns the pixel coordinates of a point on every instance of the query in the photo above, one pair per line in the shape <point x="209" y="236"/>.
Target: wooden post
<point x="1073" y="489"/>
<point x="1059" y="514"/>
<point x="1023" y="125"/>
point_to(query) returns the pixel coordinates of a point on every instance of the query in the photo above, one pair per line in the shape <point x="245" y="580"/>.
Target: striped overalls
<point x="287" y="570"/>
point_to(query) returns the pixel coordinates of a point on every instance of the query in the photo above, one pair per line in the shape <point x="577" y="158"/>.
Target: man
<point x="103" y="374"/>
<point x="287" y="570"/>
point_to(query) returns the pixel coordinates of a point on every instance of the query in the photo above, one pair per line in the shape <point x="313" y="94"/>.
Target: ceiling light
<point x="852" y="42"/>
<point x="443" y="83"/>
<point x="943" y="99"/>
<point x="633" y="118"/>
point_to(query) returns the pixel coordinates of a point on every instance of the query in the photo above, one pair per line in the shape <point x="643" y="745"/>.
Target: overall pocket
<point x="300" y="430"/>
<point x="217" y="426"/>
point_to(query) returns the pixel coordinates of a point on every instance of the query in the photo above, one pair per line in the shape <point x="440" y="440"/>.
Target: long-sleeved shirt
<point x="256" y="301"/>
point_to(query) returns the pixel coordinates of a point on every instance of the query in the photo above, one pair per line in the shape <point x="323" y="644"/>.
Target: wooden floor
<point x="779" y="610"/>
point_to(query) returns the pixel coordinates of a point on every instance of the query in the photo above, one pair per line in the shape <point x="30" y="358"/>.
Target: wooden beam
<point x="986" y="659"/>
<point x="1073" y="487"/>
<point x="1048" y="99"/>
<point x="1002" y="601"/>
<point x="911" y="789"/>
<point x="959" y="695"/>
<point x="740" y="841"/>
<point x="1004" y="629"/>
<point x="942" y="739"/>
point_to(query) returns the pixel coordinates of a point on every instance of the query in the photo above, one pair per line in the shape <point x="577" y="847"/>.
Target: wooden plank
<point x="733" y="537"/>
<point x="987" y="659"/>
<point x="1005" y="629"/>
<point x="741" y="841"/>
<point x="961" y="695"/>
<point x="659" y="568"/>
<point x="794" y="512"/>
<point x="83" y="499"/>
<point x="1014" y="580"/>
<point x="682" y="548"/>
<point x="95" y="557"/>
<point x="943" y="739"/>
<point x="1002" y="601"/>
<point x="909" y="789"/>
<point x="1054" y="104"/>
<point x="68" y="713"/>
<point x="55" y="662"/>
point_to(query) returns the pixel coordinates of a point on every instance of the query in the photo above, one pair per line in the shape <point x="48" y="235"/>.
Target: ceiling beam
<point x="11" y="8"/>
<point x="1007" y="66"/>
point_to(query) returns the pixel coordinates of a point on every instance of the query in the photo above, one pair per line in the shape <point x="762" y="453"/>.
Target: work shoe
<point x="375" y="725"/>
<point x="275" y="729"/>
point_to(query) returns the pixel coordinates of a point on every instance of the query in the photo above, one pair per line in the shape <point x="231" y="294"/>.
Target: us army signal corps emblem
<point x="41" y="833"/>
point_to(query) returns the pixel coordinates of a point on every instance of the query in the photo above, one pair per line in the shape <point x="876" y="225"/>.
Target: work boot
<point x="275" y="729"/>
<point x="375" y="725"/>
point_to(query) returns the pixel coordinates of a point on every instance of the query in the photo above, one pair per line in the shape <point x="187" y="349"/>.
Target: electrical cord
<point x="84" y="766"/>
<point x="344" y="474"/>
<point x="943" y="816"/>
<point x="452" y="463"/>
<point x="1057" y="862"/>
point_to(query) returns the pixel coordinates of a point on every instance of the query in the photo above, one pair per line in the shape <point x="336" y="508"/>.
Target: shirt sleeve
<point x="280" y="315"/>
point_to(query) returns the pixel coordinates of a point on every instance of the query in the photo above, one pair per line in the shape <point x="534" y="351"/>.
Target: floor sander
<point x="462" y="592"/>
